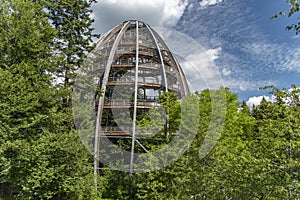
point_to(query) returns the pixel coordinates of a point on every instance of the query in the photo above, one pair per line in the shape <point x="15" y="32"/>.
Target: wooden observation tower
<point x="135" y="67"/>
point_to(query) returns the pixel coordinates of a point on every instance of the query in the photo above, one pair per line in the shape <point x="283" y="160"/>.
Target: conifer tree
<point x="72" y="21"/>
<point x="275" y="145"/>
<point x="40" y="158"/>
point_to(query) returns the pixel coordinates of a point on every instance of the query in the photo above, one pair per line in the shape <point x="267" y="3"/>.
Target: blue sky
<point x="249" y="49"/>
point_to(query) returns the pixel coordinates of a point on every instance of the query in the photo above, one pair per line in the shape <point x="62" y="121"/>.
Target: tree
<point x="293" y="10"/>
<point x="275" y="145"/>
<point x="256" y="156"/>
<point x="73" y="23"/>
<point x="40" y="158"/>
<point x="223" y="173"/>
<point x="169" y="102"/>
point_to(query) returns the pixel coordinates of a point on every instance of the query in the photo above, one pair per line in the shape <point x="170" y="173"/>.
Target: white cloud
<point x="214" y="53"/>
<point x="173" y="10"/>
<point x="246" y="85"/>
<point x="205" y="3"/>
<point x="250" y="59"/>
<point x="293" y="89"/>
<point x="257" y="100"/>
<point x="201" y="71"/>
<point x="290" y="99"/>
<point x="196" y="62"/>
<point x="277" y="56"/>
<point x="109" y="13"/>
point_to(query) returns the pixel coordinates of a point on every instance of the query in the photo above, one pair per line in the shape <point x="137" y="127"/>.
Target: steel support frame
<point x="101" y="103"/>
<point x="160" y="57"/>
<point x="135" y="99"/>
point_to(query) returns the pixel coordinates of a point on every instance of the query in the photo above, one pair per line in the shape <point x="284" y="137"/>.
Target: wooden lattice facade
<point x="135" y="67"/>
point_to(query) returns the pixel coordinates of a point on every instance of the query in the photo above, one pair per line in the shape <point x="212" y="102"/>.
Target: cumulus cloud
<point x="256" y="100"/>
<point x="205" y="3"/>
<point x="109" y="13"/>
<point x="198" y="64"/>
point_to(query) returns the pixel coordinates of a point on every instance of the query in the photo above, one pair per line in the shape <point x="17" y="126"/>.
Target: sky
<point x="249" y="50"/>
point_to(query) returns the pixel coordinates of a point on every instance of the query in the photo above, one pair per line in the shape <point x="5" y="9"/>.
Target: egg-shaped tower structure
<point x="136" y="67"/>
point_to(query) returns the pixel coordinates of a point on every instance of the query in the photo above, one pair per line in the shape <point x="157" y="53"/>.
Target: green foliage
<point x="26" y="36"/>
<point x="276" y="146"/>
<point x="41" y="157"/>
<point x="256" y="155"/>
<point x="169" y="102"/>
<point x="73" y="24"/>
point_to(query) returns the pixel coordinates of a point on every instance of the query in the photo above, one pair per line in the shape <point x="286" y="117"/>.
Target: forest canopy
<point x="42" y="157"/>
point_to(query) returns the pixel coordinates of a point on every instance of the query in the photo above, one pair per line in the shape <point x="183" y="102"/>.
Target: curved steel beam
<point x="160" y="57"/>
<point x="101" y="99"/>
<point x="182" y="79"/>
<point x="135" y="97"/>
